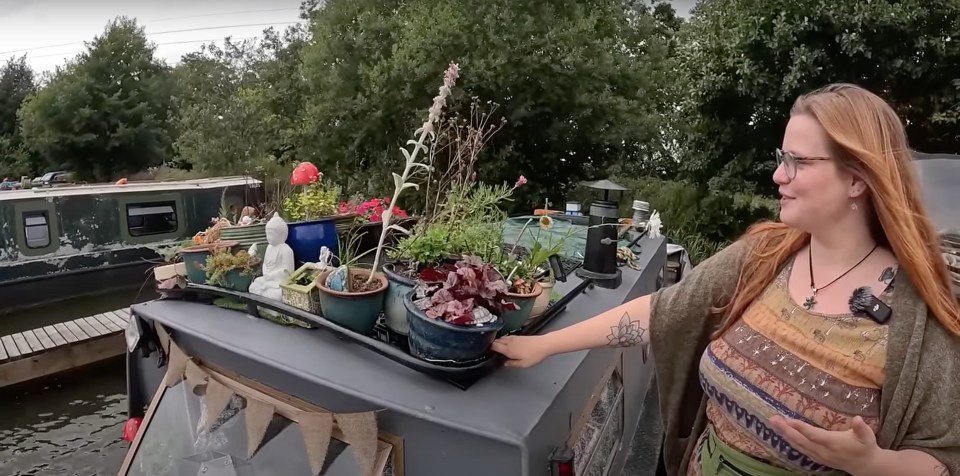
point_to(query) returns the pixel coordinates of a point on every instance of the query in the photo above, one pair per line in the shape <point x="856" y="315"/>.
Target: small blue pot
<point x="307" y="237"/>
<point x="438" y="341"/>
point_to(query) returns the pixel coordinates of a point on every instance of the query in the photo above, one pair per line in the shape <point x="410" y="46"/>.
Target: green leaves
<point x="106" y="113"/>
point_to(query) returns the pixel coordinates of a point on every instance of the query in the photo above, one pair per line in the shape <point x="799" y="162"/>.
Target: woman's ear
<point x="858" y="186"/>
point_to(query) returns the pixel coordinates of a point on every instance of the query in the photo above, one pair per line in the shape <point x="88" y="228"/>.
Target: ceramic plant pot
<point x="513" y="320"/>
<point x="542" y="302"/>
<point x="195" y="259"/>
<point x="237" y="280"/>
<point x="395" y="313"/>
<point x="307" y="237"/>
<point x="355" y="311"/>
<point x="434" y="340"/>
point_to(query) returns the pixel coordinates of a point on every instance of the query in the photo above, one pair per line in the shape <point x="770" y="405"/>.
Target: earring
<point x="853" y="206"/>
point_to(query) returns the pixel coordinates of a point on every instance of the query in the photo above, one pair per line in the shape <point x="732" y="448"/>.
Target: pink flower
<point x="520" y="181"/>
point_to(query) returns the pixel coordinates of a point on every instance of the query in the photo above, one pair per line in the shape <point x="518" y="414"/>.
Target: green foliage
<point x="17" y="82"/>
<point x="107" y="112"/>
<point x="469" y="222"/>
<point x="222" y="262"/>
<point x="314" y="201"/>
<point x="578" y="82"/>
<point x="240" y="105"/>
<point x="742" y="63"/>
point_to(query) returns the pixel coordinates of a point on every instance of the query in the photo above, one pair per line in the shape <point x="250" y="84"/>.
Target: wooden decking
<point x="51" y="349"/>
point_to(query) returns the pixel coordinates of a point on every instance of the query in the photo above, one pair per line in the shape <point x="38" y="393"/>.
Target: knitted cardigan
<point x="920" y="398"/>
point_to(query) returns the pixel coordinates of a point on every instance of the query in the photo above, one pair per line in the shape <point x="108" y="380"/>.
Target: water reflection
<point x="70" y="425"/>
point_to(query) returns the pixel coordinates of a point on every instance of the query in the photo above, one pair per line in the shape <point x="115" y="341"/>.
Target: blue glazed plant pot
<point x="394" y="312"/>
<point x="307" y="237"/>
<point x="238" y="281"/>
<point x="434" y="340"/>
<point x="357" y="311"/>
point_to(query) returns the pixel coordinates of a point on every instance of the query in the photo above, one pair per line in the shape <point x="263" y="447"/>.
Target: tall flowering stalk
<point x="426" y="132"/>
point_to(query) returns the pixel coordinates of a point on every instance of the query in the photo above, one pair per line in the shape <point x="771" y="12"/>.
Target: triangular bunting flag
<point x="259" y="415"/>
<point x="194" y="374"/>
<point x="176" y="365"/>
<point x="215" y="401"/>
<point x="360" y="431"/>
<point x="317" y="429"/>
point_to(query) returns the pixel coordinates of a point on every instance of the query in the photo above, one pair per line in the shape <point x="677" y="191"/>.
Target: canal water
<point x="71" y="424"/>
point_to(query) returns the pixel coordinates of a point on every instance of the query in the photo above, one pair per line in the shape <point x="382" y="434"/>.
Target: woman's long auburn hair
<point x="871" y="142"/>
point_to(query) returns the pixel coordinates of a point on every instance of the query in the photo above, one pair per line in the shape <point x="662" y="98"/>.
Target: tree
<point x="744" y="62"/>
<point x="240" y="104"/>
<point x="578" y="83"/>
<point x="17" y="82"/>
<point x="107" y="112"/>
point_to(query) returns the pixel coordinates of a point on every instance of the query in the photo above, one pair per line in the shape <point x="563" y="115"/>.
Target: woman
<point x="765" y="362"/>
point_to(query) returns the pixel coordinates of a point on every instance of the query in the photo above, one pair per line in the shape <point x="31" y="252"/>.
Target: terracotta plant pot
<point x="513" y="320"/>
<point x="355" y="311"/>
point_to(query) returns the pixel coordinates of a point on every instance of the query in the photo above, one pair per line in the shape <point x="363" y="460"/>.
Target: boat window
<point x="153" y="218"/>
<point x="36" y="229"/>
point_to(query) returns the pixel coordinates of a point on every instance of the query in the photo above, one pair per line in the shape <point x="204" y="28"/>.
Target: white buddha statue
<point x="278" y="262"/>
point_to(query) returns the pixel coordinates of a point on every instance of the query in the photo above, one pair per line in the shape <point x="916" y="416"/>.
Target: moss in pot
<point x="456" y="319"/>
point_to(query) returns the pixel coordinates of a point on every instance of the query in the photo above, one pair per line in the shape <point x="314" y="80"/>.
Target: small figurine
<point x="247" y="215"/>
<point x="278" y="262"/>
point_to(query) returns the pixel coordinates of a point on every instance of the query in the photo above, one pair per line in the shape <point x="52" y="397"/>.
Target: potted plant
<point x="532" y="270"/>
<point x="230" y="270"/>
<point x="356" y="294"/>
<point x="368" y="221"/>
<point x="195" y="258"/>
<point x="311" y="214"/>
<point x="300" y="290"/>
<point x="456" y="319"/>
<point x="351" y="295"/>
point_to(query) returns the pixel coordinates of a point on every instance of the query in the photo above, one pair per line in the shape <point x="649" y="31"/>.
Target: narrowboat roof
<point x="505" y="405"/>
<point x="130" y="187"/>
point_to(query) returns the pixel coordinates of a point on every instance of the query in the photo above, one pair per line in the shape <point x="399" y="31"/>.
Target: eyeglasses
<point x="790" y="161"/>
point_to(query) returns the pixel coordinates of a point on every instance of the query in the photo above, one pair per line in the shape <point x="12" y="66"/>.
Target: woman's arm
<point x="623" y="326"/>
<point x="679" y="309"/>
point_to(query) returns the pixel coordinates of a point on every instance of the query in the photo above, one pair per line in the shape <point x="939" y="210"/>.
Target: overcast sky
<point x="52" y="31"/>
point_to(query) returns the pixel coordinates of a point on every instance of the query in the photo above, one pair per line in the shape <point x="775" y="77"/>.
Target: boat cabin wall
<point x="136" y="223"/>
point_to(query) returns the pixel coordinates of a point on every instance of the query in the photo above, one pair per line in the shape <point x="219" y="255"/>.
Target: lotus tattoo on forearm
<point x="628" y="333"/>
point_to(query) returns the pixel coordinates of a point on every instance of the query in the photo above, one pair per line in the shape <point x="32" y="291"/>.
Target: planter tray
<point x="382" y="340"/>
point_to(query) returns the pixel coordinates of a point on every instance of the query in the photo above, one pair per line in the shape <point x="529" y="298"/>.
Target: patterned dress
<point x="780" y="358"/>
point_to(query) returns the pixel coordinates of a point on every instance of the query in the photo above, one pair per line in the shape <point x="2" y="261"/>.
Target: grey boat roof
<point x="130" y="187"/>
<point x="505" y="405"/>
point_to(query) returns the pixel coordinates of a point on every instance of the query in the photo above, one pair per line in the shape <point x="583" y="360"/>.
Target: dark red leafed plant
<point x="470" y="293"/>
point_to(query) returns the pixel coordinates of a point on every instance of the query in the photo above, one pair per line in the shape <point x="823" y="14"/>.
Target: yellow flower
<point x="546" y="222"/>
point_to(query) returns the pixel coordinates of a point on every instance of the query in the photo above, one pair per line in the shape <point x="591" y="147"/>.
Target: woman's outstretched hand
<point x="523" y="351"/>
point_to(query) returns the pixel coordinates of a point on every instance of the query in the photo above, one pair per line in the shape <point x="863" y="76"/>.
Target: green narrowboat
<point x="65" y="242"/>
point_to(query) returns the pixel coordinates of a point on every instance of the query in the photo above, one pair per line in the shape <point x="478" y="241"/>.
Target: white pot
<point x="542" y="302"/>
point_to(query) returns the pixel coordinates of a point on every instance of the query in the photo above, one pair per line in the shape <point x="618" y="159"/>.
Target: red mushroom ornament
<point x="305" y="173"/>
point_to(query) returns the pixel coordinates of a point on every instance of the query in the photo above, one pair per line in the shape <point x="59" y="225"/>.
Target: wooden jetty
<point x="63" y="346"/>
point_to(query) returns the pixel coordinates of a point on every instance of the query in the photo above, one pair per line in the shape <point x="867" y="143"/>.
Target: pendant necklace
<point x="812" y="299"/>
